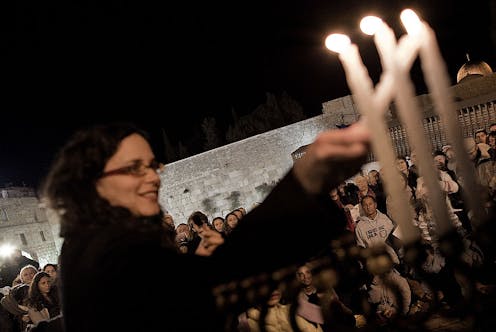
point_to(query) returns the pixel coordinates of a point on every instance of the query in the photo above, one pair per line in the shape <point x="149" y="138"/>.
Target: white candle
<point x="438" y="82"/>
<point x="410" y="114"/>
<point x="392" y="59"/>
<point x="372" y="105"/>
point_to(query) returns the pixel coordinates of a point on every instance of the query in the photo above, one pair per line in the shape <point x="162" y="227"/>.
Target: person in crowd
<point x="51" y="270"/>
<point x="231" y="222"/>
<point x="393" y="211"/>
<point x="183" y="236"/>
<point x="491" y="141"/>
<point x="350" y="223"/>
<point x="390" y="294"/>
<point x="311" y="302"/>
<point x="239" y="213"/>
<point x="480" y="136"/>
<point x="439" y="271"/>
<point x="402" y="165"/>
<point x="10" y="267"/>
<point x="104" y="184"/>
<point x="218" y="225"/>
<point x="277" y="318"/>
<point x="485" y="169"/>
<point x="169" y="220"/>
<point x="362" y="183"/>
<point x="492" y="128"/>
<point x="450" y="157"/>
<point x="195" y="221"/>
<point x="17" y="297"/>
<point x="373" y="176"/>
<point x="42" y="302"/>
<point x="375" y="183"/>
<point x="413" y="163"/>
<point x="374" y="228"/>
<point x="243" y="210"/>
<point x="450" y="185"/>
<point x="350" y="198"/>
<point x="348" y="193"/>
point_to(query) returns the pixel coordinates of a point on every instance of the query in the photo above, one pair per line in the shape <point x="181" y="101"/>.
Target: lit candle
<point x="393" y="57"/>
<point x="372" y="105"/>
<point x="438" y="82"/>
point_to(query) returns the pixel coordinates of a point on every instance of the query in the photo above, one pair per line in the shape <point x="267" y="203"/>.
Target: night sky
<point x="151" y="61"/>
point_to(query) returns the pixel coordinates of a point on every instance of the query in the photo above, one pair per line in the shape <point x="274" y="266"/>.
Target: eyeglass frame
<point x="137" y="169"/>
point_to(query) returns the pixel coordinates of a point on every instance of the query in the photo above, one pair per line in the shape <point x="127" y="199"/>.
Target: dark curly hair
<point x="70" y="186"/>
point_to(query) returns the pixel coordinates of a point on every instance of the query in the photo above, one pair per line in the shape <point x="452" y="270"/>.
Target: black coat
<point x="114" y="279"/>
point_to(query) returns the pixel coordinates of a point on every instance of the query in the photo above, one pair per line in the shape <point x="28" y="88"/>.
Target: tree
<point x="234" y="115"/>
<point x="277" y="111"/>
<point x="170" y="152"/>
<point x="291" y="109"/>
<point x="183" y="151"/>
<point x="211" y="133"/>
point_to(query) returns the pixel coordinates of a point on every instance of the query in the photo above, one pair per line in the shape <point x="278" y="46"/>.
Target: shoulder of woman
<point x="253" y="313"/>
<point x="110" y="246"/>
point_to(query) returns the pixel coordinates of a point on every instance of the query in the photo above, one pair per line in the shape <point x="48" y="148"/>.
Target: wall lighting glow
<point x="6" y="250"/>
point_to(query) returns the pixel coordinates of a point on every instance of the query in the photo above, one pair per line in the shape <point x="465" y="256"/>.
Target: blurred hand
<point x="334" y="156"/>
<point x="210" y="240"/>
<point x="349" y="207"/>
<point x="181" y="237"/>
<point x="360" y="321"/>
<point x="388" y="313"/>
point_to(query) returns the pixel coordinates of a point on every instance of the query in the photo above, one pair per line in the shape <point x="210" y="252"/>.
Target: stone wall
<point x="239" y="174"/>
<point x="24" y="224"/>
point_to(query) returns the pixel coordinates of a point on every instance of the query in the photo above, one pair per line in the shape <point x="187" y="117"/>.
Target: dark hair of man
<point x="368" y="196"/>
<point x="199" y="218"/>
<point x="481" y="130"/>
<point x="402" y="158"/>
<point x="438" y="153"/>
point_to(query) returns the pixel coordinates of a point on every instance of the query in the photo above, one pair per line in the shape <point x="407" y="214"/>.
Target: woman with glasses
<point x="118" y="270"/>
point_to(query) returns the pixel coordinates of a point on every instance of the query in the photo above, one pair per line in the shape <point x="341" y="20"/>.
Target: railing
<point x="473" y="114"/>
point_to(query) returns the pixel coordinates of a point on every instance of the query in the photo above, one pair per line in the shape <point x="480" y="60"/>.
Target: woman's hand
<point x="334" y="156"/>
<point x="210" y="240"/>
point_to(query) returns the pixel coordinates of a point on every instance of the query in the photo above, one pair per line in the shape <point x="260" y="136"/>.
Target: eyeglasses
<point x="136" y="169"/>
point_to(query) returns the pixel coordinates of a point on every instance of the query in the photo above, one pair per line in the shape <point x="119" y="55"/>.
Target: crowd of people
<point x="29" y="293"/>
<point x="104" y="184"/>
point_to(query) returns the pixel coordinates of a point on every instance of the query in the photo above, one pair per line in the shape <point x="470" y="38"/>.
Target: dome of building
<point x="472" y="69"/>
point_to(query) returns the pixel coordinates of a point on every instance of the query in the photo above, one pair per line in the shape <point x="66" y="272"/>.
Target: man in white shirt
<point x="374" y="227"/>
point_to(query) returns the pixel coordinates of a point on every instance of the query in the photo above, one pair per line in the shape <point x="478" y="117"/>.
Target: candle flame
<point x="370" y="25"/>
<point x="337" y="42"/>
<point x="411" y="21"/>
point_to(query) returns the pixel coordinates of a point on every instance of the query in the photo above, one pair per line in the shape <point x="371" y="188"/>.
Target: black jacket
<point x="114" y="279"/>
